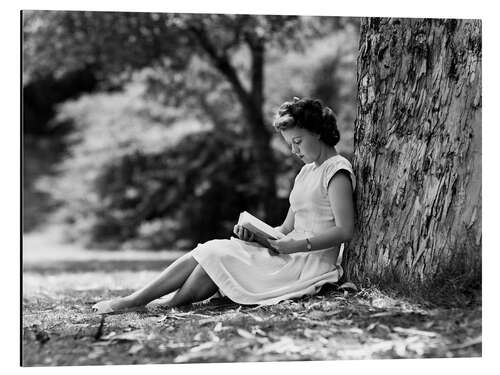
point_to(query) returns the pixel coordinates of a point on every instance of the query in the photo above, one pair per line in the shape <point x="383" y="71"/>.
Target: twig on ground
<point x="100" y="330"/>
<point x="412" y="331"/>
<point x="470" y="342"/>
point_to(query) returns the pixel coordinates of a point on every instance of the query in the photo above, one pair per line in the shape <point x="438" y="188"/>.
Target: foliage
<point x="194" y="56"/>
<point x="325" y="69"/>
<point x="201" y="185"/>
<point x="122" y="174"/>
<point x="151" y="180"/>
<point x="121" y="42"/>
<point x="116" y="44"/>
<point x="41" y="96"/>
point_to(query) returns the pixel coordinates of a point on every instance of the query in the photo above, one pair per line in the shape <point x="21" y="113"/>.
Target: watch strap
<point x="308" y="244"/>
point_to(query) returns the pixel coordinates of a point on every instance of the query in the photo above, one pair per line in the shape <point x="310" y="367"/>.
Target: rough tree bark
<point x="418" y="151"/>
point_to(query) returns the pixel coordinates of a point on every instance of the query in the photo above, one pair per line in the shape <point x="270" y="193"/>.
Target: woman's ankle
<point x="132" y="301"/>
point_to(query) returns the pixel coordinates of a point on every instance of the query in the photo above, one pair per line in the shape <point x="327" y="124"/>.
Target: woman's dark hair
<point x="311" y="115"/>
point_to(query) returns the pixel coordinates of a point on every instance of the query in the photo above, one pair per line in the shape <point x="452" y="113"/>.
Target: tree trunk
<point x="266" y="165"/>
<point x="418" y="151"/>
<point x="263" y="153"/>
<point x="252" y="102"/>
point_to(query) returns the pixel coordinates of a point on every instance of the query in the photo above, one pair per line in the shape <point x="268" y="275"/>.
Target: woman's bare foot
<point x="115" y="305"/>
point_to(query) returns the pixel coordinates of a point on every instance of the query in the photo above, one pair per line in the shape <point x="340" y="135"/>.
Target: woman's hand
<point x="288" y="245"/>
<point x="243" y="233"/>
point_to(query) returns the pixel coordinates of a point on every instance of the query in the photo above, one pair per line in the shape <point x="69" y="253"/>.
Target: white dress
<point x="246" y="273"/>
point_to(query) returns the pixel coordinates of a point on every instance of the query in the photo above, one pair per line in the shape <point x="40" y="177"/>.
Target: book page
<point x="258" y="227"/>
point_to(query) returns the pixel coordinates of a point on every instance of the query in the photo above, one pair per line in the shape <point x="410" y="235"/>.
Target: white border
<point x="10" y="167"/>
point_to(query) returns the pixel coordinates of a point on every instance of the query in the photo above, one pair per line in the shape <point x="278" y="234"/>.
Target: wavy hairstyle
<point x="309" y="114"/>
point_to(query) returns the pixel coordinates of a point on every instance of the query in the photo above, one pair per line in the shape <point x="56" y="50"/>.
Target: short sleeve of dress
<point x="333" y="167"/>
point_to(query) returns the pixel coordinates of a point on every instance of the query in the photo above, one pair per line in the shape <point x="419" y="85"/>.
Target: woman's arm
<point x="341" y="201"/>
<point x="288" y="224"/>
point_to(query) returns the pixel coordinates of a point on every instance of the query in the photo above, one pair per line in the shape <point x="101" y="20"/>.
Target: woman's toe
<point x="102" y="307"/>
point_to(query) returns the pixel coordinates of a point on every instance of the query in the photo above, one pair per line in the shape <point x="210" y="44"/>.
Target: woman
<point x="319" y="221"/>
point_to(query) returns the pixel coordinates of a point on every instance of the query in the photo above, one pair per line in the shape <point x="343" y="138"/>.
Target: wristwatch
<point x="308" y="244"/>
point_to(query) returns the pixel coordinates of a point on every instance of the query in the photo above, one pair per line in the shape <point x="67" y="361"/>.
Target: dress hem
<point x="236" y="296"/>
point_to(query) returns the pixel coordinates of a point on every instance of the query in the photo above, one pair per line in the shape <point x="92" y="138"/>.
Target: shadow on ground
<point x="95" y="265"/>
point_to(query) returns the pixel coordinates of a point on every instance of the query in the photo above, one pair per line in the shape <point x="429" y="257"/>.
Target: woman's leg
<point x="171" y="279"/>
<point x="198" y="287"/>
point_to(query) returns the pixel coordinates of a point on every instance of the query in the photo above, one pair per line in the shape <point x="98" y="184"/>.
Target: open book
<point x="261" y="230"/>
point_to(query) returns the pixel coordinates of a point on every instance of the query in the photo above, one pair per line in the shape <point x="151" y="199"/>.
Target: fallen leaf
<point x="96" y="353"/>
<point x="355" y="330"/>
<point x="317" y="315"/>
<point x="197" y="356"/>
<point x="340" y="322"/>
<point x="326" y="333"/>
<point x="384" y="313"/>
<point x="255" y="317"/>
<point x="176" y="316"/>
<point x="314" y="321"/>
<point x="417" y="347"/>
<point x="284" y="345"/>
<point x="109" y="335"/>
<point x="258" y="331"/>
<point x="378" y="329"/>
<point x="412" y="331"/>
<point x="202" y="315"/>
<point x="241" y="345"/>
<point x="379" y="302"/>
<point x="332" y="313"/>
<point x="135" y="348"/>
<point x="467" y="343"/>
<point x="314" y="305"/>
<point x="244" y="333"/>
<point x="258" y="307"/>
<point x="400" y="348"/>
<point x="101" y="343"/>
<point x="213" y="337"/>
<point x="204" y="346"/>
<point x="322" y="340"/>
<point x="429" y="324"/>
<point x="136" y="335"/>
<point x="172" y="345"/>
<point x="262" y="340"/>
<point x="185" y="315"/>
<point x="309" y="333"/>
<point x="348" y="286"/>
<point x="203" y="322"/>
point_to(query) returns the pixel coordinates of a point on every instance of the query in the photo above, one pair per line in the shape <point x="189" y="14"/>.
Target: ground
<point x="61" y="282"/>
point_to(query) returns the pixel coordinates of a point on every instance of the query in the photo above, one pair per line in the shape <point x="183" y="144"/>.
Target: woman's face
<point x="303" y="143"/>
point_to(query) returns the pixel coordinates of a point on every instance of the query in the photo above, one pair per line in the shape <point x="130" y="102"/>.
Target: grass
<point x="61" y="283"/>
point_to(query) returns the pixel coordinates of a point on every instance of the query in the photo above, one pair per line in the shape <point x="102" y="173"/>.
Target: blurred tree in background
<point x="176" y="138"/>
